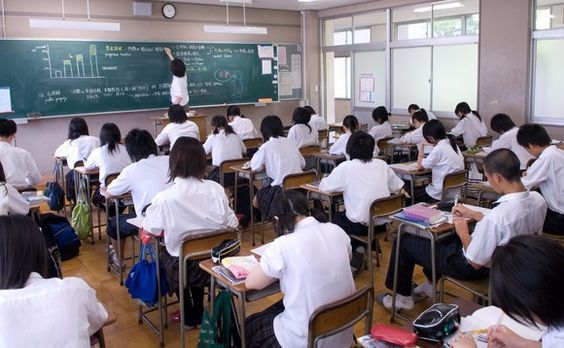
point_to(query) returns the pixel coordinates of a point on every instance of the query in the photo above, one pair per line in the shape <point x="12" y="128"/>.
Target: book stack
<point x="424" y="214"/>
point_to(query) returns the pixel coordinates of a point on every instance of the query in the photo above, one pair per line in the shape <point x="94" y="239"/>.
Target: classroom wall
<point x="41" y="137"/>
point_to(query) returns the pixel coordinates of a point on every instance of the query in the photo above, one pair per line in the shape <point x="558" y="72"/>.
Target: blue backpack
<point x="66" y="239"/>
<point x="55" y="192"/>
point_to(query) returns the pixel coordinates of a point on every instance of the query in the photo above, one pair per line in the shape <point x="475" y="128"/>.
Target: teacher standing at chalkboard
<point x="179" y="84"/>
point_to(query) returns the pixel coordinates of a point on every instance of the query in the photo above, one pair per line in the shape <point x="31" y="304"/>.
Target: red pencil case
<point x="394" y="335"/>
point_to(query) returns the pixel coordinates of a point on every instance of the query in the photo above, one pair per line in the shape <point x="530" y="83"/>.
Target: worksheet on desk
<point x="404" y="166"/>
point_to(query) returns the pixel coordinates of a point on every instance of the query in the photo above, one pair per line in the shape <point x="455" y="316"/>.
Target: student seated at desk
<point x="35" y="311"/>
<point x="223" y="144"/>
<point x="350" y="125"/>
<point x="279" y="156"/>
<point x="547" y="173"/>
<point x="502" y="124"/>
<point x="356" y="180"/>
<point x="301" y="132"/>
<point x="470" y="125"/>
<point x="144" y="178"/>
<point x="244" y="127"/>
<point x="312" y="263"/>
<point x="382" y="129"/>
<point x="190" y="206"/>
<point x="19" y="167"/>
<point x="11" y="201"/>
<point x="418" y="120"/>
<point x="526" y="283"/>
<point x="444" y="158"/>
<point x="179" y="126"/>
<point x="518" y="212"/>
<point x="412" y="108"/>
<point x="316" y="121"/>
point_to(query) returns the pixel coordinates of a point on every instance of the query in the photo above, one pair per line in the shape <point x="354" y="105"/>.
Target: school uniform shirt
<point x="11" y="201"/>
<point x="172" y="131"/>
<point x="179" y="89"/>
<point x="471" y="128"/>
<point x="317" y="122"/>
<point x="281" y="156"/>
<point x="553" y="338"/>
<point x="361" y="183"/>
<point x="413" y="137"/>
<point x="340" y="146"/>
<point x="78" y="149"/>
<point x="381" y="131"/>
<point x="312" y="264"/>
<point x="508" y="140"/>
<point x="224" y="147"/>
<point x="548" y="174"/>
<point x="303" y="135"/>
<point x="19" y="167"/>
<point x="190" y="206"/>
<point x="144" y="179"/>
<point x="516" y="214"/>
<point x="244" y="128"/>
<point x="108" y="163"/>
<point x="50" y="313"/>
<point x="442" y="160"/>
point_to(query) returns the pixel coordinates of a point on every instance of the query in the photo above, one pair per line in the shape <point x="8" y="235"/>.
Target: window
<point x="447" y="27"/>
<point x="337" y="31"/>
<point x="473" y="24"/>
<point x="549" y="14"/>
<point x="370" y="27"/>
<point x="411" y="22"/>
<point x="342" y="76"/>
<point x="411" y="77"/>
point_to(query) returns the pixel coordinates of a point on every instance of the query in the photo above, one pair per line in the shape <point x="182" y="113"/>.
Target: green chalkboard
<point x="54" y="77"/>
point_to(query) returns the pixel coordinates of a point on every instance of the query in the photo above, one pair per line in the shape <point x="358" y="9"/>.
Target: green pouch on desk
<point x="81" y="221"/>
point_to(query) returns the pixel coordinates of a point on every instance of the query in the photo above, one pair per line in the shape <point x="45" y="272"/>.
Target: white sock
<point x="425" y="288"/>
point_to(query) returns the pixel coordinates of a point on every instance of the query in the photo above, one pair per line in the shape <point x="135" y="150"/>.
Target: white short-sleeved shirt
<point x="281" y="156"/>
<point x="413" y="137"/>
<point x="442" y="160"/>
<point x="144" y="179"/>
<point x="361" y="183"/>
<point x="50" y="313"/>
<point x="508" y="140"/>
<point x="172" y="131"/>
<point x="224" y="147"/>
<point x="179" y="89"/>
<point x="553" y="338"/>
<point x="471" y="128"/>
<point x="312" y="264"/>
<point x="108" y="163"/>
<point x="548" y="174"/>
<point x="78" y="149"/>
<point x="244" y="128"/>
<point x="11" y="201"/>
<point x="19" y="167"/>
<point x="517" y="214"/>
<point x="189" y="206"/>
<point x="303" y="135"/>
<point x="381" y="131"/>
<point x="317" y="122"/>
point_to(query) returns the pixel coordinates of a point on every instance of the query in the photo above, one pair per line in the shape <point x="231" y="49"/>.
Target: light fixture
<point x="235" y="29"/>
<point x="73" y="24"/>
<point x="306" y="0"/>
<point x="438" y="7"/>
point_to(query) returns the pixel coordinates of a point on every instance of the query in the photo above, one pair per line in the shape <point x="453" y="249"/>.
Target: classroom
<point x="290" y="163"/>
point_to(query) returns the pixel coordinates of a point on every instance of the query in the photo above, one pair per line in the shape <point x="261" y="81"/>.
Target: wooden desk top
<point x="207" y="266"/>
<point x="84" y="171"/>
<point x="239" y="168"/>
<point x="315" y="188"/>
<point x="477" y="155"/>
<point x="483" y="187"/>
<point x="327" y="155"/>
<point x="397" y="167"/>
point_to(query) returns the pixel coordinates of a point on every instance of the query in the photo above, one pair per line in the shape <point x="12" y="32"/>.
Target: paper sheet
<point x="282" y="59"/>
<point x="5" y="100"/>
<point x="285" y="86"/>
<point x="266" y="52"/>
<point x="266" y="67"/>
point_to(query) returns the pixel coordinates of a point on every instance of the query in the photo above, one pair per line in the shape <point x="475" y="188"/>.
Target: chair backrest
<point x="484" y="141"/>
<point x="383" y="207"/>
<point x="384" y="143"/>
<point x="79" y="164"/>
<point x="252" y="143"/>
<point x="224" y="167"/>
<point x="340" y="315"/>
<point x="308" y="150"/>
<point x="453" y="184"/>
<point x="109" y="178"/>
<point x="323" y="136"/>
<point x="292" y="181"/>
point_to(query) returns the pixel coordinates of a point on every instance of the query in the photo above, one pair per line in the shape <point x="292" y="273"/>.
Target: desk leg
<point x="433" y="266"/>
<point x="89" y="203"/>
<point x="160" y="297"/>
<point x="412" y="185"/>
<point x="235" y="189"/>
<point x="212" y="293"/>
<point x="396" y="271"/>
<point x="242" y="301"/>
<point x="330" y="209"/>
<point x="252" y="196"/>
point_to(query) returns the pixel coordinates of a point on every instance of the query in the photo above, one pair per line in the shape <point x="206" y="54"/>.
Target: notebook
<point x="240" y="266"/>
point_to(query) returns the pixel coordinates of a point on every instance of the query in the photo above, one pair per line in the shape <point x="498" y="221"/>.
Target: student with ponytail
<point x="412" y="108"/>
<point x="382" y="129"/>
<point x="301" y="132"/>
<point x="418" y="119"/>
<point x="470" y="125"/>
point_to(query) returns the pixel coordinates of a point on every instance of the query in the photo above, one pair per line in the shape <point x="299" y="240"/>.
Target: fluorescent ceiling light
<point x="439" y="7"/>
<point x="233" y="29"/>
<point x="237" y="1"/>
<point x="73" y="25"/>
<point x="306" y="0"/>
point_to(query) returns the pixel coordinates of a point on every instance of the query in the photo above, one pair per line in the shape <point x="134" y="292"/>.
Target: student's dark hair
<point x="380" y="114"/>
<point x="351" y="122"/>
<point x="302" y="116"/>
<point x="2" y="174"/>
<point x="501" y="123"/>
<point x="361" y="146"/>
<point x="233" y="110"/>
<point x="77" y="127"/>
<point x="177" y="114"/>
<point x="310" y="110"/>
<point x="505" y="163"/>
<point x="140" y="144"/>
<point x="434" y="131"/>
<point x="465" y="109"/>
<point x="412" y="107"/>
<point x="286" y="206"/>
<point x="420" y="115"/>
<point x="271" y="127"/>
<point x="110" y="135"/>
<point x="219" y="121"/>
<point x="526" y="280"/>
<point x="177" y="67"/>
<point x="7" y="127"/>
<point x="22" y="251"/>
<point x="533" y="134"/>
<point x="187" y="159"/>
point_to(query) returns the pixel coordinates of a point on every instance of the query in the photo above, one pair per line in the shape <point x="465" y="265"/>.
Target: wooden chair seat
<point x="484" y="141"/>
<point x="479" y="288"/>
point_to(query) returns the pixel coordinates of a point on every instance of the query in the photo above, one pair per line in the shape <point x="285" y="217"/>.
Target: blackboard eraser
<point x="33" y="115"/>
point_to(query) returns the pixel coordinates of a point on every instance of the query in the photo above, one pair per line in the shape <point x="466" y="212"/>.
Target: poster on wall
<point x="367" y="88"/>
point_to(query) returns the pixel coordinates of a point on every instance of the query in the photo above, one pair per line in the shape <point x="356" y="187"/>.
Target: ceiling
<point x="292" y="5"/>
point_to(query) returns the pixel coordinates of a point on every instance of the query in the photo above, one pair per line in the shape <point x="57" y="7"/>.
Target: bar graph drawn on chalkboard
<point x="72" y="65"/>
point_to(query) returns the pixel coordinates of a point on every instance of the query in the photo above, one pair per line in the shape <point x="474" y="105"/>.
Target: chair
<point x="293" y="181"/>
<point x="453" y="185"/>
<point x="480" y="289"/>
<point x="308" y="153"/>
<point x="225" y="168"/>
<point x="484" y="141"/>
<point x="338" y="316"/>
<point x="252" y="143"/>
<point x="197" y="247"/>
<point x="323" y="136"/>
<point x="386" y="148"/>
<point x="379" y="208"/>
